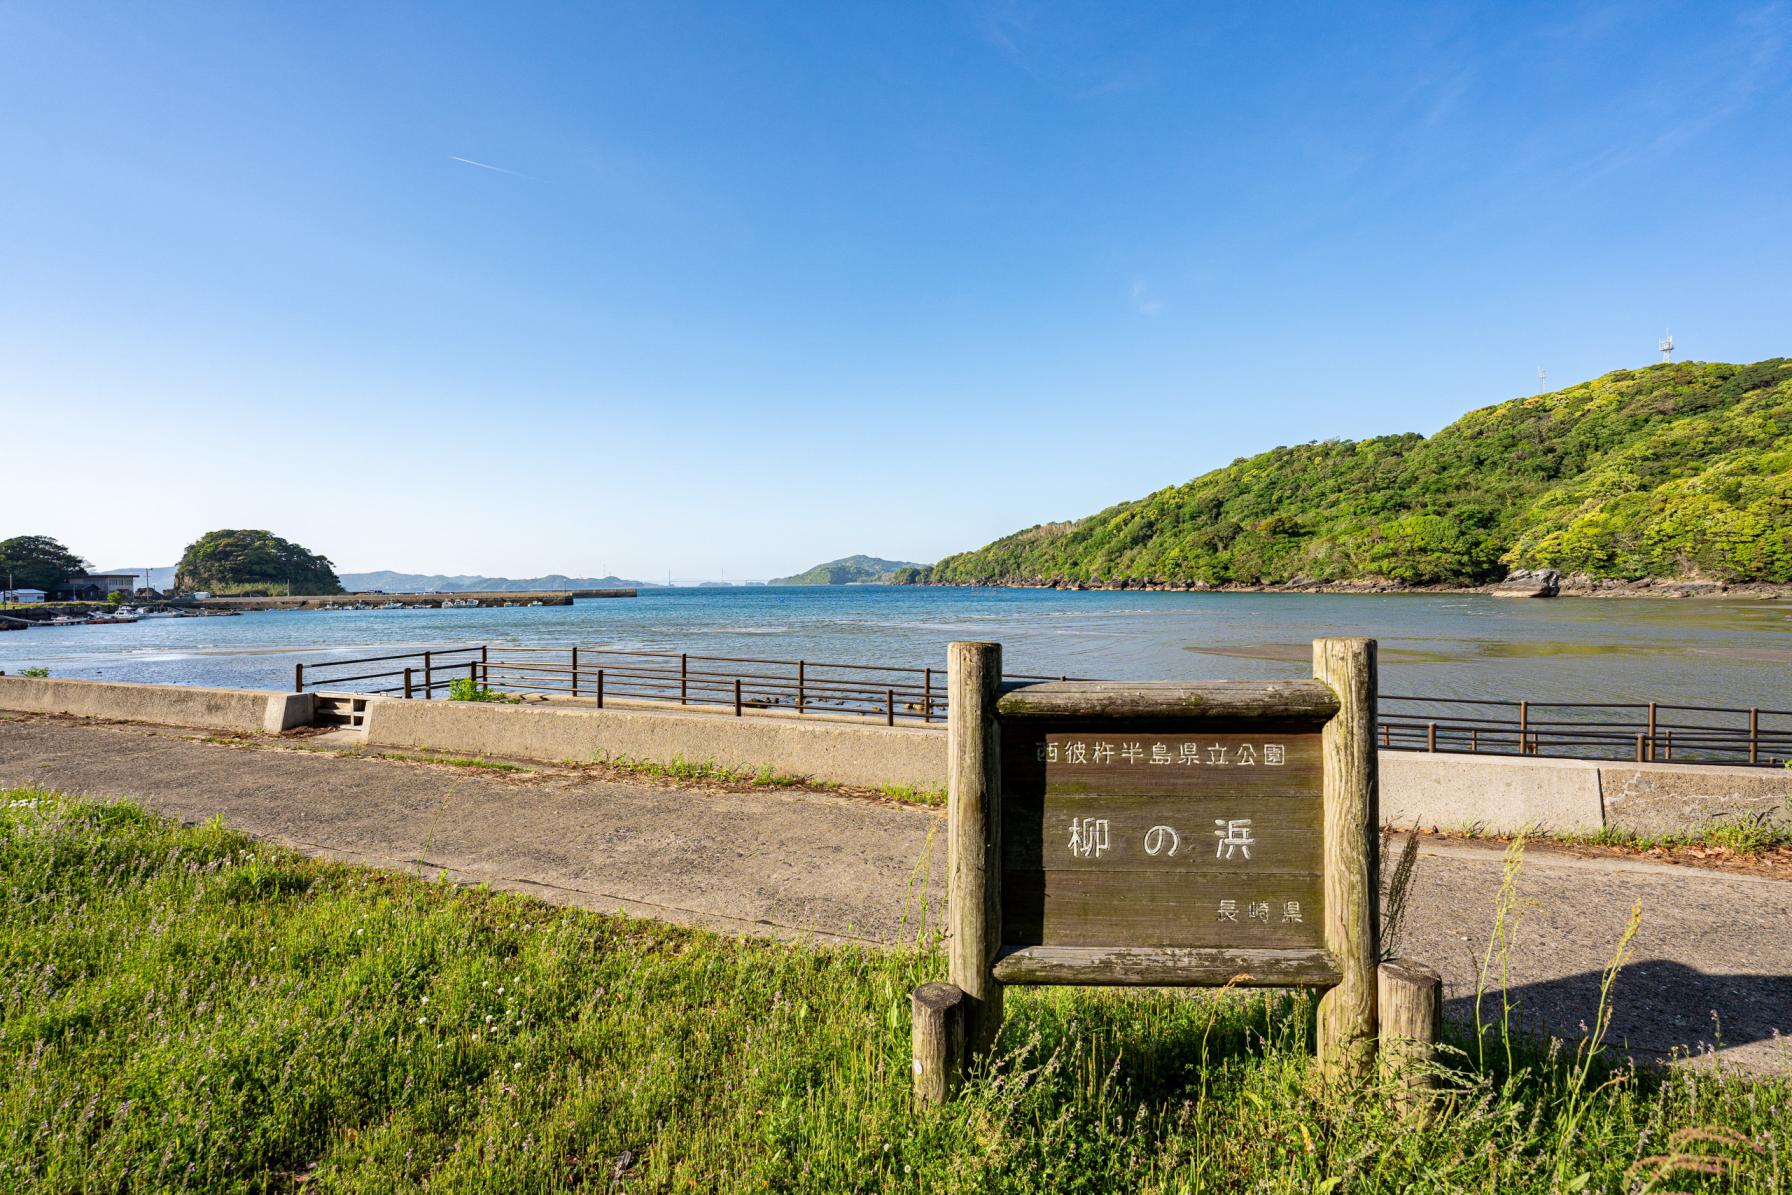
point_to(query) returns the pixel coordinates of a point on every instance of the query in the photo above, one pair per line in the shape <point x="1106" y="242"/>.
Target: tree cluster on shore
<point x="227" y="561"/>
<point x="234" y="561"/>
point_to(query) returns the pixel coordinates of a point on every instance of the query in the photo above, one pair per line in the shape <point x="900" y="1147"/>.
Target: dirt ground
<point x="1712" y="969"/>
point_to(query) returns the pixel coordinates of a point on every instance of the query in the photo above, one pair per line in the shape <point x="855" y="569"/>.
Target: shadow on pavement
<point x="1657" y="1005"/>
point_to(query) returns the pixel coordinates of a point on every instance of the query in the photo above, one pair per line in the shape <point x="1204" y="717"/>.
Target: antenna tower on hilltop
<point x="1666" y="346"/>
<point x="1541" y="378"/>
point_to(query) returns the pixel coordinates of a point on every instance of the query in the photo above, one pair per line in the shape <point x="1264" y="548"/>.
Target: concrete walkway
<point x="1713" y="956"/>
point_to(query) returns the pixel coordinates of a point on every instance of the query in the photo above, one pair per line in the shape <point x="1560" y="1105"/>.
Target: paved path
<point x="1712" y="945"/>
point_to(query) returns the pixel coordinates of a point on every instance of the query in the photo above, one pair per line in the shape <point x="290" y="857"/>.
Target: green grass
<point x="681" y="768"/>
<point x="1748" y="834"/>
<point x="452" y="761"/>
<point x="465" y="688"/>
<point x="911" y="795"/>
<point x="186" y="1009"/>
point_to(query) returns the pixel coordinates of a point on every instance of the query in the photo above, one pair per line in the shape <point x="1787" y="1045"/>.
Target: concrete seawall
<point x="237" y="711"/>
<point x="1503" y="794"/>
<point x="1493" y="794"/>
<point x="839" y="753"/>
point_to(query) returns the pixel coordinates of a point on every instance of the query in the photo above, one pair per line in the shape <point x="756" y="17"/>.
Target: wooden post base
<point x="1409" y="1001"/>
<point x="939" y="1039"/>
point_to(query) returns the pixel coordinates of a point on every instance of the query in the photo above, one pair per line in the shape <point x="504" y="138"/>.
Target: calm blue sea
<point x="1568" y="649"/>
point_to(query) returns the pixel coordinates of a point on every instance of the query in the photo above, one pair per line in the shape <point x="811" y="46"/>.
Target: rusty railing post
<point x="298" y="678"/>
<point x="1754" y="735"/>
<point x="802" y="681"/>
<point x="429" y="680"/>
<point x="1651" y="731"/>
<point x="684" y="678"/>
<point x="737" y="697"/>
<point x="1640" y="750"/>
<point x="889" y="707"/>
<point x="1524" y="721"/>
<point x="575" y="670"/>
<point x="1431" y="736"/>
<point x="927" y="695"/>
<point x="600" y="688"/>
<point x="407" y="683"/>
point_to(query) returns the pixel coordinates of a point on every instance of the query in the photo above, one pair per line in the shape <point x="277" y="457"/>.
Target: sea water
<point x="1699" y="652"/>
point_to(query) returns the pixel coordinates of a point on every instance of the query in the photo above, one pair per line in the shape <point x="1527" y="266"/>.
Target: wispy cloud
<point x="486" y="166"/>
<point x="1143" y="301"/>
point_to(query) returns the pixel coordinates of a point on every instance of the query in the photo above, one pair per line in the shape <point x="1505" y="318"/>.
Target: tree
<point x="233" y="561"/>
<point x="37" y="562"/>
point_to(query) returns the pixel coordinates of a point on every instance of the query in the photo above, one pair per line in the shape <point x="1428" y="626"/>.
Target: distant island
<point x="1673" y="477"/>
<point x="391" y="582"/>
<point x="850" y="570"/>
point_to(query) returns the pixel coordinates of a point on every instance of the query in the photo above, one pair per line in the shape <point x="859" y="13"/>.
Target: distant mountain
<point x="419" y="583"/>
<point x="847" y="571"/>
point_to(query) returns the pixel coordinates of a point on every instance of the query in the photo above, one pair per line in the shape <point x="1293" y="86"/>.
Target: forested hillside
<point x="1677" y="470"/>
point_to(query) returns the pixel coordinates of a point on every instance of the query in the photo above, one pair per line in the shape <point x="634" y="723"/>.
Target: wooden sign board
<point x="1165" y="834"/>
<point x="1154" y="835"/>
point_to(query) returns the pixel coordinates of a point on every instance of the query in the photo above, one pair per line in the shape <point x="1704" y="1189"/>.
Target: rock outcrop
<point x="1529" y="583"/>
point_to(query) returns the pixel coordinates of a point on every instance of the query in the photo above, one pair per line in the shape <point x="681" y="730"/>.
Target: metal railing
<point x="408" y="674"/>
<point x="743" y="683"/>
<point x="1645" y="732"/>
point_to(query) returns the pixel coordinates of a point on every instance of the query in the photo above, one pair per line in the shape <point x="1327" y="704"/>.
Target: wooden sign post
<point x="1160" y="834"/>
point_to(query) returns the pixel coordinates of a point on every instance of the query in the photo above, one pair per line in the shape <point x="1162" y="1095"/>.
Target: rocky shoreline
<point x="1541" y="583"/>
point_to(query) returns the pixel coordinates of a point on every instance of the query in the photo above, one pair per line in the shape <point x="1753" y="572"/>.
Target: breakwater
<point x="362" y="601"/>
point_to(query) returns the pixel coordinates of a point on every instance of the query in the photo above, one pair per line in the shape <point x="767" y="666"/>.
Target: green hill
<point x="243" y="561"/>
<point x="1678" y="470"/>
<point x="848" y="570"/>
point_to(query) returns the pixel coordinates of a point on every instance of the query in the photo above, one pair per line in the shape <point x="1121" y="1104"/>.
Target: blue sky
<point x="740" y="287"/>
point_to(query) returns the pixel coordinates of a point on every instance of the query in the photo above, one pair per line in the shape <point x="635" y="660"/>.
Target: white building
<point x="24" y="595"/>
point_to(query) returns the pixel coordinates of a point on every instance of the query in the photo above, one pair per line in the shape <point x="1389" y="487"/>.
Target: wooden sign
<point x="1151" y="836"/>
<point x="1165" y="834"/>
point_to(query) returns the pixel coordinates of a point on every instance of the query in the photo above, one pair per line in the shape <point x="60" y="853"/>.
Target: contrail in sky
<point x="486" y="166"/>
